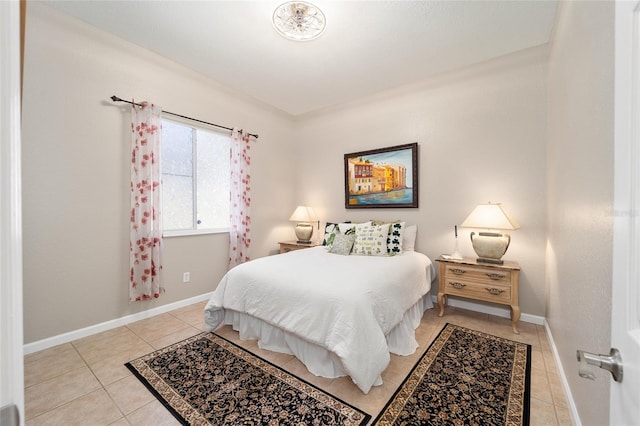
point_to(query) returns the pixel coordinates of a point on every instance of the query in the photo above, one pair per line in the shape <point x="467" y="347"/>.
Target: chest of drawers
<point x="487" y="282"/>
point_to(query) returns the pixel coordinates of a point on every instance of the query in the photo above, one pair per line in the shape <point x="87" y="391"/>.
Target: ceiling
<point x="367" y="47"/>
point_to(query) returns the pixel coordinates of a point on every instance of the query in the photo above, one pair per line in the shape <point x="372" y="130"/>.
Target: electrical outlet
<point x="186" y="277"/>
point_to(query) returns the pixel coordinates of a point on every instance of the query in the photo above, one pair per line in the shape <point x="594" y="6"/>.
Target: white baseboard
<point x="573" y="410"/>
<point x="108" y="325"/>
<point x="499" y="311"/>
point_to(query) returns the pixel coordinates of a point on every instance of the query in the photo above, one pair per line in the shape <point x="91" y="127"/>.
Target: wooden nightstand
<point x="480" y="281"/>
<point x="287" y="246"/>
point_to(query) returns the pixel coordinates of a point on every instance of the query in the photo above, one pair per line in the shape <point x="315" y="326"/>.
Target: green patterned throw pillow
<point x="342" y="243"/>
<point x="371" y="240"/>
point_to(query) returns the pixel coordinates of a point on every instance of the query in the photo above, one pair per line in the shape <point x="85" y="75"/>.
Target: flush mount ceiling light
<point x="297" y="20"/>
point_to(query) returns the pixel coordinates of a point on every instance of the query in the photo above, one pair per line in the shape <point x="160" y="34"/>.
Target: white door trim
<point x="11" y="341"/>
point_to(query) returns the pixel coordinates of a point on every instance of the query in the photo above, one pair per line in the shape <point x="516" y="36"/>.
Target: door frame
<point x="11" y="325"/>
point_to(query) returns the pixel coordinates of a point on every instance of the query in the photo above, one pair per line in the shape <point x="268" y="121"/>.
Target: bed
<point x="341" y="315"/>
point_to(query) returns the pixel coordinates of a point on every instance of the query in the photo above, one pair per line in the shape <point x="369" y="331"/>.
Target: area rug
<point x="465" y="377"/>
<point x="207" y="380"/>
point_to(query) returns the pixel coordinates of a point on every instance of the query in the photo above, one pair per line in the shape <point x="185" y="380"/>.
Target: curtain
<point x="145" y="246"/>
<point x="240" y="218"/>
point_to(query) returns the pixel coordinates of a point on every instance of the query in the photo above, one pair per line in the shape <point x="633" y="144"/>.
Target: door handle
<point x="612" y="363"/>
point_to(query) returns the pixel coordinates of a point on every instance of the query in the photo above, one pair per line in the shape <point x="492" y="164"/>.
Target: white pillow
<point x="409" y="238"/>
<point x="395" y="238"/>
<point x="344" y="227"/>
<point x="371" y="240"/>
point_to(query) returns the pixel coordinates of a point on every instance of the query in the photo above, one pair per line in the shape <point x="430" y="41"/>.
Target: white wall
<point x="482" y="137"/>
<point x="580" y="195"/>
<point x="76" y="173"/>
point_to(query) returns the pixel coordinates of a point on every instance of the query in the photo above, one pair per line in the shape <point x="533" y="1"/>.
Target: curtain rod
<point x="117" y="99"/>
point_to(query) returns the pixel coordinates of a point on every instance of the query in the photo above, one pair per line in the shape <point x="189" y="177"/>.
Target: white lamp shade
<point x="303" y="214"/>
<point x="490" y="216"/>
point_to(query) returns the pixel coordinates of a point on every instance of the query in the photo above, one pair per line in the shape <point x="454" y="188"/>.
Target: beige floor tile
<point x="557" y="390"/>
<point x="537" y="359"/>
<point x="371" y="403"/>
<point x="95" y="408"/>
<point x="49" y="399"/>
<point x="540" y="388"/>
<point x="542" y="413"/>
<point x="564" y="416"/>
<point x="58" y="391"/>
<point x="154" y="328"/>
<point x="192" y="316"/>
<point x="129" y="394"/>
<point x="152" y="414"/>
<point x="549" y="361"/>
<point x="175" y="337"/>
<point x="120" y="422"/>
<point x="106" y="345"/>
<point x="50" y="363"/>
<point x="111" y="369"/>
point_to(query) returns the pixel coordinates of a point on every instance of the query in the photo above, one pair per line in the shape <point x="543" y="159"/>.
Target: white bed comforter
<point x="346" y="304"/>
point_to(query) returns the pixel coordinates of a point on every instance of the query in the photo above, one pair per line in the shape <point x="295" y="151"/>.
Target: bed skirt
<point x="318" y="360"/>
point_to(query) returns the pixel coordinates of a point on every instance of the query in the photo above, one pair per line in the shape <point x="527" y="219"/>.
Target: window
<point x="195" y="180"/>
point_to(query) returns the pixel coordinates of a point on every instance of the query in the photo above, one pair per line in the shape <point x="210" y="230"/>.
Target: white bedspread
<point x="346" y="304"/>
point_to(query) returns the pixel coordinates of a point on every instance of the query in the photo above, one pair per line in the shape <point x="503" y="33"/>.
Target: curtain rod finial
<point x="115" y="98"/>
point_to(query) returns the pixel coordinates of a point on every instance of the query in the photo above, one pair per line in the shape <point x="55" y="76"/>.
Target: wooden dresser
<point x="287" y="246"/>
<point x="480" y="281"/>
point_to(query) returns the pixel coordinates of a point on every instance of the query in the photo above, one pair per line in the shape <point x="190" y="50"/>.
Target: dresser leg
<point x="442" y="302"/>
<point x="515" y="317"/>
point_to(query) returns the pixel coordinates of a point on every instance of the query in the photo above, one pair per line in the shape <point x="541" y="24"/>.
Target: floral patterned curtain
<point x="145" y="246"/>
<point x="239" y="239"/>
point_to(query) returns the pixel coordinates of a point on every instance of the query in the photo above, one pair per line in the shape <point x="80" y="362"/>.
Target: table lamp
<point x="490" y="246"/>
<point x="304" y="230"/>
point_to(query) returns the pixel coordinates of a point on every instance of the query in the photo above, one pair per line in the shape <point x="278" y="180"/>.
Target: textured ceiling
<point x="368" y="46"/>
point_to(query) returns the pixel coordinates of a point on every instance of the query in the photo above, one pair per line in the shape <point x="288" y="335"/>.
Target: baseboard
<point x="499" y="311"/>
<point x="573" y="410"/>
<point x="108" y="325"/>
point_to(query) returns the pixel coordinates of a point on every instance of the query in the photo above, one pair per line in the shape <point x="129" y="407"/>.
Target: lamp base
<point x="492" y="261"/>
<point x="490" y="246"/>
<point x="304" y="232"/>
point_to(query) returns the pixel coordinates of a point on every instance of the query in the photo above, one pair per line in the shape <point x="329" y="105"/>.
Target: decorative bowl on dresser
<point x="480" y="281"/>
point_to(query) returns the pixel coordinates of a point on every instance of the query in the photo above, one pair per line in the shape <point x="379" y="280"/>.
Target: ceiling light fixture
<point x="300" y="21"/>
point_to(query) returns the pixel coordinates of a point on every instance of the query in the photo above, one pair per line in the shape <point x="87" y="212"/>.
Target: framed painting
<point x="385" y="177"/>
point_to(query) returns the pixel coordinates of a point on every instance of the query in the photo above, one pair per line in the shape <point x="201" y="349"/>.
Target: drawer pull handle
<point x="496" y="276"/>
<point x="458" y="285"/>
<point x="494" y="291"/>
<point x="458" y="271"/>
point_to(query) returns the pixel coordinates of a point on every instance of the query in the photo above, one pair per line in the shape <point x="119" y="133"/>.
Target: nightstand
<point x="287" y="246"/>
<point x="480" y="281"/>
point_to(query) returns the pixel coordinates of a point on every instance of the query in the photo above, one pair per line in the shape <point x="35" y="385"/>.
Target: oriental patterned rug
<point x="207" y="380"/>
<point x="466" y="377"/>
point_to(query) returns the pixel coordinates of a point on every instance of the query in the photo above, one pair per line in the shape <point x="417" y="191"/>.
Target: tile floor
<point x="84" y="382"/>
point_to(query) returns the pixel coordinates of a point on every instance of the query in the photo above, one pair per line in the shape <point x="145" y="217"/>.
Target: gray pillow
<point x="342" y="244"/>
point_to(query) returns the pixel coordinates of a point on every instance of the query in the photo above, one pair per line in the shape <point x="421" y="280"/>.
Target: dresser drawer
<point x="489" y="292"/>
<point x="478" y="274"/>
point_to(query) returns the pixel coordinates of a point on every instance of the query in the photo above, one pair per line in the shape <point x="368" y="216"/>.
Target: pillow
<point x="345" y="226"/>
<point x="371" y="240"/>
<point x="409" y="238"/>
<point x="329" y="233"/>
<point x="395" y="237"/>
<point x="342" y="243"/>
